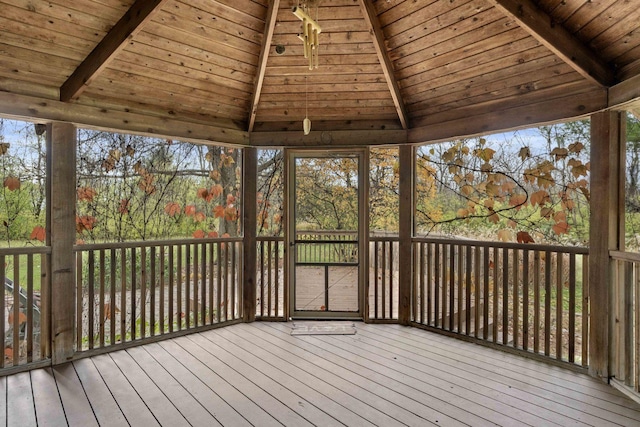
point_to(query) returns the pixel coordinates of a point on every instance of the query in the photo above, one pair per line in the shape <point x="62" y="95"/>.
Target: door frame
<point x="363" y="231"/>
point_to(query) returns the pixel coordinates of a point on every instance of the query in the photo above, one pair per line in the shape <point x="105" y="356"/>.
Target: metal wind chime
<point x="310" y="40"/>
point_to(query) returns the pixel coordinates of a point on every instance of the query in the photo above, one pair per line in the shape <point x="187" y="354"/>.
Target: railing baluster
<point x="486" y="302"/>
<point x="133" y="294"/>
<point x="102" y="320"/>
<point x="515" y="289"/>
<point x="91" y="303"/>
<point x="112" y="296"/>
<point x="585" y="310"/>
<point x="152" y="291"/>
<point x="3" y="277"/>
<point x="203" y="284"/>
<point x="467" y="298"/>
<point x="390" y="270"/>
<point x="436" y="294"/>
<point x="496" y="294"/>
<point x="179" y="311"/>
<point x="187" y="286"/>
<point x="16" y="310"/>
<point x="143" y="292"/>
<point x="29" y="308"/>
<point x="536" y="302"/>
<point x="559" y="302"/>
<point x="376" y="257"/>
<point x="269" y="284"/>
<point x="505" y="296"/>
<point x="219" y="284"/>
<point x="163" y="284"/>
<point x="79" y="298"/>
<point x="572" y="307"/>
<point x="276" y="293"/>
<point x="547" y="303"/>
<point x="525" y="299"/>
<point x="422" y="287"/>
<point x="123" y="293"/>
<point x="476" y="290"/>
<point x="383" y="287"/>
<point x="212" y="307"/>
<point x="171" y="310"/>
<point x="193" y="301"/>
<point x="452" y="285"/>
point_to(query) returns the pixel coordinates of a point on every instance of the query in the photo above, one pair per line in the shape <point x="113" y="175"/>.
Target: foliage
<point x="514" y="190"/>
<point x="270" y="192"/>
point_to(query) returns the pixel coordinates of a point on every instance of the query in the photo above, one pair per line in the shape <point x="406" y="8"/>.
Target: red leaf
<point x="38" y="233"/>
<point x="172" y="209"/>
<point x="212" y="234"/>
<point x="199" y="217"/>
<point x="561" y="228"/>
<point x="124" y="206"/>
<point x="203" y="193"/>
<point x="218" y="211"/>
<point x="216" y="190"/>
<point x="230" y="199"/>
<point x="230" y="213"/>
<point x="524" y="237"/>
<point x="85" y="222"/>
<point x="190" y="210"/>
<point x="12" y="183"/>
<point x="198" y="234"/>
<point x="86" y="194"/>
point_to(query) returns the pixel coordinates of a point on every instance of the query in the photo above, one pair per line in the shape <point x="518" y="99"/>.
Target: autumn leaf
<point x="38" y="233"/>
<point x="485" y="154"/>
<point x="511" y="223"/>
<point x="108" y="165"/>
<point x="86" y="194"/>
<point x="209" y="157"/>
<point x="230" y="199"/>
<point x="203" y="193"/>
<point x="524" y="237"/>
<point x="546" y="212"/>
<point x="199" y="217"/>
<point x="489" y="203"/>
<point x="212" y="234"/>
<point x="172" y="209"/>
<point x="216" y="190"/>
<point x="85" y="222"/>
<point x="226" y="235"/>
<point x="214" y="175"/>
<point x="505" y="235"/>
<point x="4" y="148"/>
<point x="578" y="171"/>
<point x="540" y="198"/>
<point x="190" y="210"/>
<point x="524" y="153"/>
<point x="115" y="154"/>
<point x="230" y="213"/>
<point x="12" y="183"/>
<point x="561" y="228"/>
<point x="218" y="211"/>
<point x="107" y="310"/>
<point x="576" y="147"/>
<point x="466" y="189"/>
<point x="462" y="213"/>
<point x="517" y="199"/>
<point x="198" y="234"/>
<point x="559" y="153"/>
<point x="129" y="150"/>
<point x="494" y="218"/>
<point x="124" y="206"/>
<point x="227" y="160"/>
<point x="560" y="216"/>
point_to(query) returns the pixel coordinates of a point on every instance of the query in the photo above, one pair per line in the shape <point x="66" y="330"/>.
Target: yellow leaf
<point x="576" y="147"/>
<point x="462" y="213"/>
<point x="559" y="153"/>
<point x="505" y="235"/>
<point x="485" y="154"/>
<point x="466" y="190"/>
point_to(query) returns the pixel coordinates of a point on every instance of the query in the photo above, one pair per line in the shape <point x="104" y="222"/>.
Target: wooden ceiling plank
<point x="270" y="24"/>
<point x="347" y="138"/>
<point x="130" y="23"/>
<point x="371" y="19"/>
<point x="557" y="39"/>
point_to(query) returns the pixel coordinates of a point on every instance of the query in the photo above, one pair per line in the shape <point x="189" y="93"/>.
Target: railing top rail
<point x="270" y="238"/>
<point x="625" y="256"/>
<point x="579" y="250"/>
<point x="315" y="241"/>
<point x="150" y="243"/>
<point x="384" y="238"/>
<point x="327" y="232"/>
<point x="26" y="250"/>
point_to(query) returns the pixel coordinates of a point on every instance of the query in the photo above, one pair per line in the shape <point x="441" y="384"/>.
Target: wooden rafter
<point x="557" y="39"/>
<point x="270" y="23"/>
<point x="115" y="40"/>
<point x="371" y="19"/>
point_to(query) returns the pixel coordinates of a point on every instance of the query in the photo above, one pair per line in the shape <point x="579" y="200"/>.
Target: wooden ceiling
<point x="390" y="71"/>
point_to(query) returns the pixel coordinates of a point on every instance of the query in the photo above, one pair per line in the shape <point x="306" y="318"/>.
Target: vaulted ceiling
<point x="390" y="71"/>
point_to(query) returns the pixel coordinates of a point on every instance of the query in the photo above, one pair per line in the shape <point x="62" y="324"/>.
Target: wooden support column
<point x="407" y="173"/>
<point x="61" y="184"/>
<point x="604" y="233"/>
<point x="249" y="209"/>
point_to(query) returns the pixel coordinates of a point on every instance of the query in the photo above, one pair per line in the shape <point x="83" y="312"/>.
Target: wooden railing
<point x="625" y="305"/>
<point x="383" y="277"/>
<point x="527" y="297"/>
<point x="270" y="290"/>
<point x="133" y="291"/>
<point x="23" y="323"/>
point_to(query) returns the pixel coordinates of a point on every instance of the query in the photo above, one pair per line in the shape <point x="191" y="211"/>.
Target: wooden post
<point x="61" y="182"/>
<point x="604" y="233"/>
<point x="249" y="208"/>
<point x="405" y="273"/>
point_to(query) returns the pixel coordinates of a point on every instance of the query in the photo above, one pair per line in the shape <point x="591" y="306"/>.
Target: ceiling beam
<point x="27" y="107"/>
<point x="322" y="139"/>
<point x="625" y="92"/>
<point x="371" y="19"/>
<point x="114" y="41"/>
<point x="270" y="24"/>
<point x="557" y="39"/>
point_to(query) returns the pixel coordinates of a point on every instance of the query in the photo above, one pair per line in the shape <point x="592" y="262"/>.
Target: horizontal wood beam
<point x="373" y="23"/>
<point x="625" y="92"/>
<point x="29" y="107"/>
<point x="557" y="39"/>
<point x="115" y="40"/>
<point x="497" y="120"/>
<point x="270" y="25"/>
<point x="344" y="138"/>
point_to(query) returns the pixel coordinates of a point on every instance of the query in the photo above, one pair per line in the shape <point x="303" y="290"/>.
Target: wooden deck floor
<point x="257" y="374"/>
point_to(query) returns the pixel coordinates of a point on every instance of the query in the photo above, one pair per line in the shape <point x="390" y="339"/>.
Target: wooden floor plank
<point x="20" y="409"/>
<point x="74" y="400"/>
<point x="468" y="385"/>
<point x="258" y="374"/>
<point x="611" y="408"/>
<point x="398" y="398"/>
<point x="190" y="355"/>
<point x="314" y="406"/>
<point x="263" y="399"/>
<point x="134" y="409"/>
<point x="48" y="407"/>
<point x="104" y="405"/>
<point x="334" y="399"/>
<point x="190" y="408"/>
<point x="197" y="387"/>
<point x="162" y="408"/>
